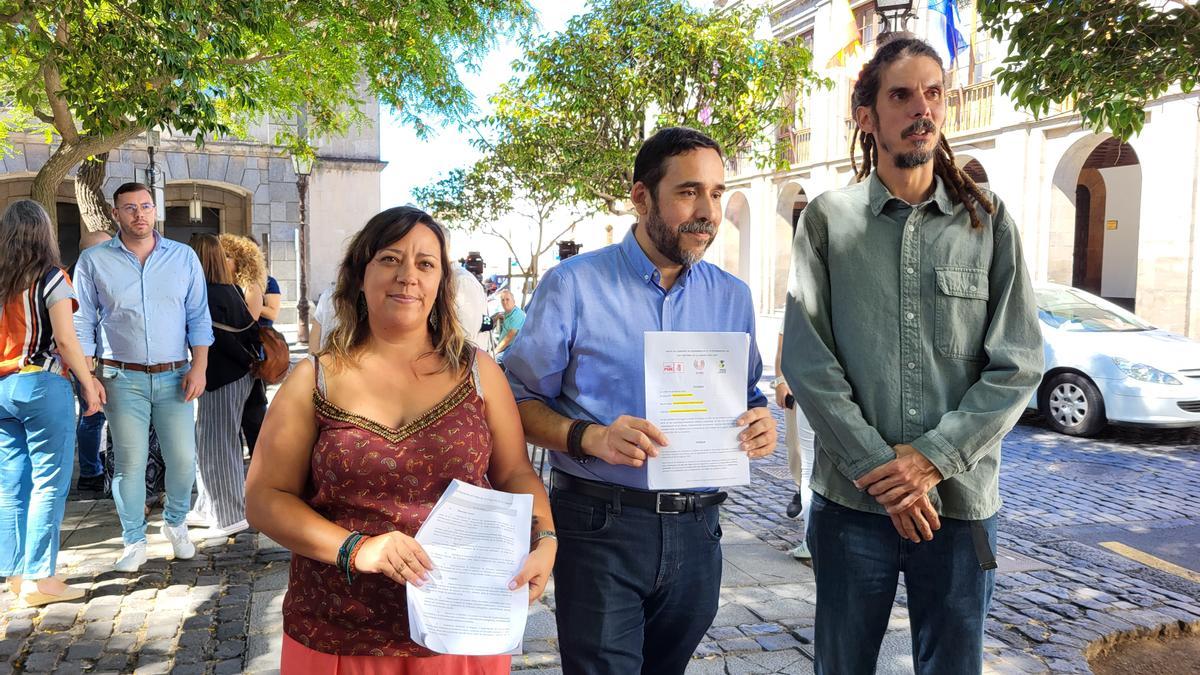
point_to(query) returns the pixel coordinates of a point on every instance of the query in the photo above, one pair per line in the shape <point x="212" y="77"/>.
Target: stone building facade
<point x="246" y="187"/>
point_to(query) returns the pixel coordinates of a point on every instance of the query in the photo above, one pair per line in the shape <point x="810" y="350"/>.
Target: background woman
<point x="37" y="404"/>
<point x="365" y="438"/>
<point x="221" y="478"/>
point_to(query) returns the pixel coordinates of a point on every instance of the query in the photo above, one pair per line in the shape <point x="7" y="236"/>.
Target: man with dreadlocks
<point x="911" y="343"/>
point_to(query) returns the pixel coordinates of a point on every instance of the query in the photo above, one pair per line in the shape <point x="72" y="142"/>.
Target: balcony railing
<point x="797" y="145"/>
<point x="969" y="108"/>
<point x="847" y="133"/>
<point x="801" y="148"/>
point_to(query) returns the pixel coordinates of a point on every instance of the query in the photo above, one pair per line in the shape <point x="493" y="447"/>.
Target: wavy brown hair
<point x="352" y="328"/>
<point x="28" y="247"/>
<point x="212" y="258"/>
<point x="249" y="265"/>
<point x="866" y="92"/>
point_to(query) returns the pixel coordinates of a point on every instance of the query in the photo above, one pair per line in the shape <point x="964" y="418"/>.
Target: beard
<point x="913" y="158"/>
<point x="667" y="242"/>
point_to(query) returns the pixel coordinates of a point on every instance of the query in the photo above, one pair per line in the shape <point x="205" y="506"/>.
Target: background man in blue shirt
<point x="514" y="320"/>
<point x="142" y="302"/>
<point x="638" y="572"/>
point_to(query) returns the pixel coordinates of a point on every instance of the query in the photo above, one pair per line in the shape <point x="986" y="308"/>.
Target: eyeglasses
<point x="132" y="209"/>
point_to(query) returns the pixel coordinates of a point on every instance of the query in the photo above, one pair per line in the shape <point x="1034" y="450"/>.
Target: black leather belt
<point x="658" y="502"/>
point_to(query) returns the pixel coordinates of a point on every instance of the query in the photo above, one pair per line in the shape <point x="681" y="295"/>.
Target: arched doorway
<point x="1094" y="235"/>
<point x="792" y="200"/>
<point x="224" y="208"/>
<point x="973" y="169"/>
<point x="70" y="225"/>
<point x="729" y="249"/>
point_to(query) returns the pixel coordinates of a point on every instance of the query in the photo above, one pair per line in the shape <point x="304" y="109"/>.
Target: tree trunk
<point x="65" y="157"/>
<point x="95" y="213"/>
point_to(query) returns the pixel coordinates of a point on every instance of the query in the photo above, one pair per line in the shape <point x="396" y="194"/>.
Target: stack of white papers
<point x="478" y="540"/>
<point x="695" y="391"/>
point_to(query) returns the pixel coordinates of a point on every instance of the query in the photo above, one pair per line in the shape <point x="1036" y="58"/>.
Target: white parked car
<point x="1106" y="365"/>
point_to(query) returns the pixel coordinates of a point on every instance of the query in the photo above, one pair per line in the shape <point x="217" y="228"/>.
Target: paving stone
<point x="230" y="648"/>
<point x="121" y="644"/>
<point x="779" y="642"/>
<point x="85" y="650"/>
<point x="707" y="649"/>
<point x="18" y="628"/>
<point x="753" y="630"/>
<point x="112" y="662"/>
<point x="41" y="662"/>
<point x="228" y="667"/>
<point x="744" y="644"/>
<point x="724" y="632"/>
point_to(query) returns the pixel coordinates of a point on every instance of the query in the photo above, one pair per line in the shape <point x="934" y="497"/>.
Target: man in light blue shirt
<point x="143" y="302"/>
<point x="638" y="572"/>
<point x="514" y="320"/>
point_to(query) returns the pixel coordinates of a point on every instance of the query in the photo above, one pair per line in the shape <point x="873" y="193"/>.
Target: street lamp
<point x="152" y="141"/>
<point x="303" y="165"/>
<point x="893" y="13"/>
<point x="195" y="208"/>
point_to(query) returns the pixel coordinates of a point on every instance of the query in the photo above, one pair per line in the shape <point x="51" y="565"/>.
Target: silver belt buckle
<point x="658" y="501"/>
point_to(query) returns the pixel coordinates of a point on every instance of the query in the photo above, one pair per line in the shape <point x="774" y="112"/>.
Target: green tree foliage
<point x="479" y="198"/>
<point x="96" y="73"/>
<point x="1109" y="56"/>
<point x="585" y="98"/>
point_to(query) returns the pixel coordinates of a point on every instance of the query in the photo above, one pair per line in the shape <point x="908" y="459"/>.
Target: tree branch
<point x="251" y="60"/>
<point x="62" y="119"/>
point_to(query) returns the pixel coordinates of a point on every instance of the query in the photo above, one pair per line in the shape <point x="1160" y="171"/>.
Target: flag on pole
<point x="844" y="40"/>
<point x="943" y="31"/>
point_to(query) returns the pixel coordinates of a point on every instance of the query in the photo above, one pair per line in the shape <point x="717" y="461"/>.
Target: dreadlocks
<point x="866" y="89"/>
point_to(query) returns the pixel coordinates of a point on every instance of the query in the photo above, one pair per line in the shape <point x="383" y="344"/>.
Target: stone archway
<point x="792" y="201"/>
<point x="1096" y="218"/>
<point x="731" y="250"/>
<point x="225" y="208"/>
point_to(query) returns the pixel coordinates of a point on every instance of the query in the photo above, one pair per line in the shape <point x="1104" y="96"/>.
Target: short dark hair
<point x="126" y="188"/>
<point x="651" y="163"/>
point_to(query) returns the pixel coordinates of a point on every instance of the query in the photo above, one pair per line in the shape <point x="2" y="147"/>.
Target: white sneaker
<point x="194" y="519"/>
<point x="178" y="536"/>
<point x="215" y="532"/>
<point x="133" y="557"/>
<point x="801" y="552"/>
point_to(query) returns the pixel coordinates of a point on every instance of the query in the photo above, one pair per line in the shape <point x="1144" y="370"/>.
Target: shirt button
<point x="910" y="270"/>
<point x="912" y="411"/>
<point x="909" y="316"/>
<point x="973" y="288"/>
<point x="911" y="365"/>
<point x="911" y="228"/>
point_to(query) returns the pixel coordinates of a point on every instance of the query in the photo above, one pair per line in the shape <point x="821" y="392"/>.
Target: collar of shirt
<point x="640" y="263"/>
<point x="880" y="196"/>
<point x="159" y="243"/>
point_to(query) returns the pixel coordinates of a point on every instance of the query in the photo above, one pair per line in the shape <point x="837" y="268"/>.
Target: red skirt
<point x="300" y="660"/>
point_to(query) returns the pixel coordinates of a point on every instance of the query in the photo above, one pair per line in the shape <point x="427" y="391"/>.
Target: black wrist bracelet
<point x="575" y="439"/>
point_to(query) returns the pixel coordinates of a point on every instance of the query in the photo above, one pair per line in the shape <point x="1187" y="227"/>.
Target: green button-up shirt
<point x="905" y="325"/>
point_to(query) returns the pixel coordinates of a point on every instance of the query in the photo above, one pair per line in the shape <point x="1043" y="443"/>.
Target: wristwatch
<point x="777" y="381"/>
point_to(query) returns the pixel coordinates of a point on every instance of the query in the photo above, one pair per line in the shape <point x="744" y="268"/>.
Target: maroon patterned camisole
<point x="368" y="477"/>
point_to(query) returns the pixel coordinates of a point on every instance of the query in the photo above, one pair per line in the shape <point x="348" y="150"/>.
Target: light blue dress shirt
<point x="146" y="314"/>
<point x="581" y="349"/>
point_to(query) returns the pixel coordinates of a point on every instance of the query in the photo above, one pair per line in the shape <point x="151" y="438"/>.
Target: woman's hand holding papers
<point x="396" y="555"/>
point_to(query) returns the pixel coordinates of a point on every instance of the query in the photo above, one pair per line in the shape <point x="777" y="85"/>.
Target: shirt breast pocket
<point x="961" y="311"/>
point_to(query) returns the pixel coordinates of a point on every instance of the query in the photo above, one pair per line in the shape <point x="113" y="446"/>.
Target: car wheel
<point x="1072" y="405"/>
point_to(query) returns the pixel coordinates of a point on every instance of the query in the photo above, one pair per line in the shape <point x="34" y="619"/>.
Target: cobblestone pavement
<point x="1058" y="592"/>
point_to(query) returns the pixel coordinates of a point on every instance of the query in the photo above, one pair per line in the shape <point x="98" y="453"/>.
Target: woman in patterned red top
<point x="365" y="438"/>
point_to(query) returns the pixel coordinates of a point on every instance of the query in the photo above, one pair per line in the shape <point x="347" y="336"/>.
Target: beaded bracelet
<point x="343" y="556"/>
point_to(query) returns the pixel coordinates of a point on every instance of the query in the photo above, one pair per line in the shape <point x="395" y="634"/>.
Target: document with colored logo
<point x="695" y="391"/>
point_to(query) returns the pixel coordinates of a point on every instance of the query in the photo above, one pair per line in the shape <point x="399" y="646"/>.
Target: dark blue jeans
<point x="635" y="591"/>
<point x="858" y="557"/>
<point x="88" y="435"/>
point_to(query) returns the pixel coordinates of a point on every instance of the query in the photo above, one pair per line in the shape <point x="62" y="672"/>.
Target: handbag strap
<point x="230" y="329"/>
